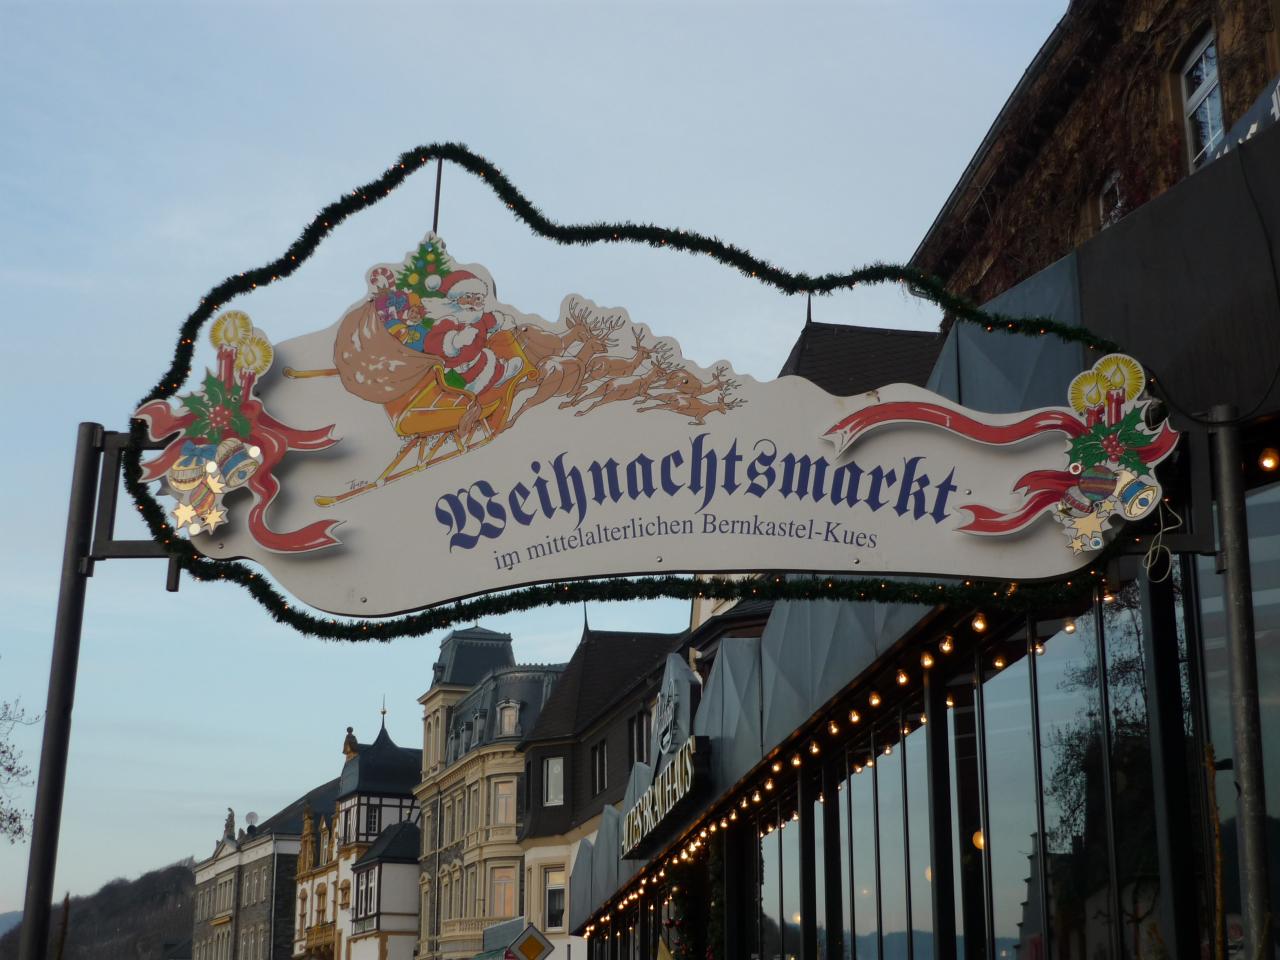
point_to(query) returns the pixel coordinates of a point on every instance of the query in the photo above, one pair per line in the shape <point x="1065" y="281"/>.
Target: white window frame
<point x="492" y="911"/>
<point x="548" y="800"/>
<point x="547" y="887"/>
<point x="1192" y="99"/>
<point x="495" y="819"/>
<point x="508" y="709"/>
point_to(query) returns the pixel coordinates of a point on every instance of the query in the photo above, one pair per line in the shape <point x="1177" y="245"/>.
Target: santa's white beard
<point x="467" y="315"/>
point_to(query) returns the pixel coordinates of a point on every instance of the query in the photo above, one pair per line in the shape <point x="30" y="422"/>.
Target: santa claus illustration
<point x="464" y="320"/>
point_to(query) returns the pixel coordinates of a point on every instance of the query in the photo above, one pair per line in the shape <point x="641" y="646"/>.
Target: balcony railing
<point x="320" y="935"/>
<point x="465" y="926"/>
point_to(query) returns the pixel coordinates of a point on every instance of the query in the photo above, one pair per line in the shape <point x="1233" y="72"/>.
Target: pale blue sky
<point x="151" y="149"/>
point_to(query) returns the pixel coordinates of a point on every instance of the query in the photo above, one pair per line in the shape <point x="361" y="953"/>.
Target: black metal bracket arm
<point x="105" y="545"/>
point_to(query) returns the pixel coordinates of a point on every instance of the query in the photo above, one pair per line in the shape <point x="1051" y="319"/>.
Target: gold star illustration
<point x="1107" y="507"/>
<point x="1089" y="525"/>
<point x="1077" y="545"/>
<point x="215" y="485"/>
<point x="184" y="513"/>
<point x="214" y="517"/>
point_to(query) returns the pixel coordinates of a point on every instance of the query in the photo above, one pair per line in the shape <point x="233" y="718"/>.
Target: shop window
<point x="553" y="897"/>
<point x="770" y="881"/>
<point x="502" y="892"/>
<point x="1133" y="792"/>
<point x="599" y="767"/>
<point x="966" y="818"/>
<point x="1263" y="519"/>
<point x="914" y="757"/>
<point x="1202" y="101"/>
<point x="1076" y="871"/>
<point x="789" y="851"/>
<point x="886" y="777"/>
<point x="820" y="886"/>
<point x="859" y="847"/>
<point x="553" y="781"/>
<point x="1009" y="837"/>
<point x="504" y="802"/>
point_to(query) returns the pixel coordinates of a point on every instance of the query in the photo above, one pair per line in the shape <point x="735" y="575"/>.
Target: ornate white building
<point x="357" y="875"/>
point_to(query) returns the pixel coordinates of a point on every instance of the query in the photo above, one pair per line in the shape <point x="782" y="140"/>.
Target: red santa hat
<point x="462" y="282"/>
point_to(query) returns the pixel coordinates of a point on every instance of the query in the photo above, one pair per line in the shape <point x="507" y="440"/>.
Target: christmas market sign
<point x="435" y="443"/>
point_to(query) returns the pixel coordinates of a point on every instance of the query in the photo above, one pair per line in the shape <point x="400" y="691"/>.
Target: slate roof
<point x="474" y="720"/>
<point x="396" y="844"/>
<point x="381" y="768"/>
<point x="605" y="663"/>
<point x="467" y="655"/>
<point x="847" y="360"/>
<point x="288" y="821"/>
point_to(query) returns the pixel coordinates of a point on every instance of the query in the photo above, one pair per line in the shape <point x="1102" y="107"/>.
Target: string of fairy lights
<point x="1005" y="594"/>
<point x="887" y="707"/>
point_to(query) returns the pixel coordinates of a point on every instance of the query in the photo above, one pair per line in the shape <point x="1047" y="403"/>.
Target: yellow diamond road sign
<point x="531" y="945"/>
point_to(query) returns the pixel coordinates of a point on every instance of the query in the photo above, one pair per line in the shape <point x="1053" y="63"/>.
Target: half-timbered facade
<point x="337" y="914"/>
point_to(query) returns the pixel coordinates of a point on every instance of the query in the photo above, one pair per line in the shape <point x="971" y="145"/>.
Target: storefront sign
<point x="452" y="446"/>
<point x="673" y="784"/>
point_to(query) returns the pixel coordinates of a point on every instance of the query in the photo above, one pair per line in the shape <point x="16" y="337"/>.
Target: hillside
<point x="125" y="920"/>
<point x="9" y="920"/>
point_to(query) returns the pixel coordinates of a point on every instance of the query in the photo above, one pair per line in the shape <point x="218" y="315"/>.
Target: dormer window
<point x="508" y="718"/>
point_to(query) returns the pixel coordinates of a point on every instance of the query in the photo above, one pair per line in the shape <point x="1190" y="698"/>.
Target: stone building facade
<point x="244" y="891"/>
<point x="480" y="705"/>
<point x="1104" y="120"/>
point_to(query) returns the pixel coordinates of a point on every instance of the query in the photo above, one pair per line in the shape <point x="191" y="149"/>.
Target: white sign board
<point x="434" y="444"/>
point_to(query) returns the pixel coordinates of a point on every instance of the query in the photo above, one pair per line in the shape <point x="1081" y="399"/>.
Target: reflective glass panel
<point x="894" y="916"/>
<point x="916" y="758"/>
<point x="789" y="829"/>
<point x="1074" y="798"/>
<point x="1011" y="798"/>
<point x="1263" y="517"/>
<point x="770" y="888"/>
<point x="820" y="879"/>
<point x="863" y="893"/>
<point x="1137" y="863"/>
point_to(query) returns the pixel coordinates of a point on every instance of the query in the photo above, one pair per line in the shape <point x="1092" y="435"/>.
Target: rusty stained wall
<point x="1126" y="119"/>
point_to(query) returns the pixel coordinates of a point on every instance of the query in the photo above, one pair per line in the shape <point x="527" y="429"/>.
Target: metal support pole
<point x="1242" y="673"/>
<point x="33" y="943"/>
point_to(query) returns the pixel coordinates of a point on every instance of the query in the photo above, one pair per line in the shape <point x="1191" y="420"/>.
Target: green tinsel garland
<point x="916" y="281"/>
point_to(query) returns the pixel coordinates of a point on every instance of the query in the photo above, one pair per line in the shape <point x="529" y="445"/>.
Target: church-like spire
<point x="384" y="711"/>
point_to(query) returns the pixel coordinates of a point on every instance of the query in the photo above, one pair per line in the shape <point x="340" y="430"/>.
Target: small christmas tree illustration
<point x="425" y="270"/>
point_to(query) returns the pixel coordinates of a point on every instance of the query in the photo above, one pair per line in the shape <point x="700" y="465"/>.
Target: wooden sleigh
<point x="438" y="421"/>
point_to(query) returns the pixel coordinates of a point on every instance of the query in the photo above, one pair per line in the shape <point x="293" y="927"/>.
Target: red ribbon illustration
<point x="1043" y="489"/>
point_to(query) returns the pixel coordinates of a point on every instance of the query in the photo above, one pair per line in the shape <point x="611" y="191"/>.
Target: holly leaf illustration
<point x="240" y="424"/>
<point x="214" y="391"/>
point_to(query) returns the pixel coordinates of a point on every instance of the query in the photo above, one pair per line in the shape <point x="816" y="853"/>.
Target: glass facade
<point x="1010" y="807"/>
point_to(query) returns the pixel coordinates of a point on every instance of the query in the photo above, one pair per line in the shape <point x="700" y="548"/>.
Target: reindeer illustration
<point x="561" y="375"/>
<point x="540" y="344"/>
<point x="694" y="406"/>
<point x="608" y="367"/>
<point x="635" y="387"/>
<point x="687" y="384"/>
